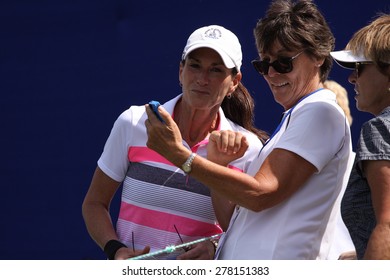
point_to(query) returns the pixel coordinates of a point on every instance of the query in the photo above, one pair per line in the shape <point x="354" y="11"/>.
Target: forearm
<point x="98" y="223"/>
<point x="223" y="209"/>
<point x="378" y="247"/>
<point x="234" y="186"/>
<point x="269" y="187"/>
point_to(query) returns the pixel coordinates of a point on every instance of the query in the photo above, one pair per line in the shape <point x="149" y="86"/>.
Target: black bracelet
<point x="112" y="247"/>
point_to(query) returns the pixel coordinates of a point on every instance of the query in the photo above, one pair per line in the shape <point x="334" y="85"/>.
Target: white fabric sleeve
<point x="114" y="159"/>
<point x="316" y="132"/>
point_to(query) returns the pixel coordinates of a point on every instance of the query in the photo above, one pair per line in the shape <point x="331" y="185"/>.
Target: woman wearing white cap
<point x="366" y="203"/>
<point x="161" y="204"/>
<point x="290" y="198"/>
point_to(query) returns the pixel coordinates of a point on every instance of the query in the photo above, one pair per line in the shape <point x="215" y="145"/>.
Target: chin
<point x="361" y="108"/>
<point x="280" y="101"/>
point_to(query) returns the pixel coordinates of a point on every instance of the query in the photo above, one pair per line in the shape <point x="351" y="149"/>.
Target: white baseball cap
<point x="347" y="59"/>
<point x="220" y="39"/>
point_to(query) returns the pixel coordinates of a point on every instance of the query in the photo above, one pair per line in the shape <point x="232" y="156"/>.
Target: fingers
<point x="229" y="142"/>
<point x="127" y="253"/>
<point x="145" y="250"/>
<point x="197" y="252"/>
<point x="153" y="119"/>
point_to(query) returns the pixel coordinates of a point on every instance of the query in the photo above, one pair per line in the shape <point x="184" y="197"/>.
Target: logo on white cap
<point x="213" y="33"/>
<point x="220" y="39"/>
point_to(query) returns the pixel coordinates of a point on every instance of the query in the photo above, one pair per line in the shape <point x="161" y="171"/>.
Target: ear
<point x="319" y="62"/>
<point x="236" y="80"/>
<point x="181" y="66"/>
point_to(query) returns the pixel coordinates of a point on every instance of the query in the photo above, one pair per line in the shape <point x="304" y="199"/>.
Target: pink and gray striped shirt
<point x="156" y="195"/>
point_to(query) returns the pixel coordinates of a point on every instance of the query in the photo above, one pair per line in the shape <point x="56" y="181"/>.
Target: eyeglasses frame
<point x="359" y="64"/>
<point x="289" y="59"/>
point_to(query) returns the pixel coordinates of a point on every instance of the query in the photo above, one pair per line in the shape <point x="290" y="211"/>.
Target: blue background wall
<point x="69" y="68"/>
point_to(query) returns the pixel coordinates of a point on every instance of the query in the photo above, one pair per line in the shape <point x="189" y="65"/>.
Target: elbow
<point x="263" y="201"/>
<point x="256" y="207"/>
<point x="261" y="196"/>
<point x="87" y="208"/>
<point x="84" y="209"/>
<point x="255" y="203"/>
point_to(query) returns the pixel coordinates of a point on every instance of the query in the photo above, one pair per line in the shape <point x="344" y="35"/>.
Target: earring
<point x="229" y="96"/>
<point x="180" y="84"/>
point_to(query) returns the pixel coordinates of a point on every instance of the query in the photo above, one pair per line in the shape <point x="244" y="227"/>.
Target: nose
<point x="202" y="78"/>
<point x="272" y="72"/>
<point x="352" y="77"/>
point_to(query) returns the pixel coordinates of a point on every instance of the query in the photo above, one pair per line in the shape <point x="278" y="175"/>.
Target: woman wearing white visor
<point x="366" y="204"/>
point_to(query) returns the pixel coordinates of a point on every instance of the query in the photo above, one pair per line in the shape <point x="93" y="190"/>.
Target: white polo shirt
<point x="303" y="226"/>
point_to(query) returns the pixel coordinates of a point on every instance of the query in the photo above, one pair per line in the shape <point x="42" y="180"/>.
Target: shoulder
<point x="324" y="98"/>
<point x="317" y="122"/>
<point x="320" y="108"/>
<point x="136" y="113"/>
<point x="377" y="127"/>
<point x="380" y="124"/>
<point x="319" y="112"/>
<point x="375" y="137"/>
<point x="131" y="114"/>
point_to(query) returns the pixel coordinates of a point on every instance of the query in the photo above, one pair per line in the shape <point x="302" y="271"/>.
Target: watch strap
<point x="186" y="167"/>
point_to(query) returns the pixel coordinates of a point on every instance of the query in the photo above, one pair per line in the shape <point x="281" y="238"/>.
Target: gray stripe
<point x="167" y="198"/>
<point x="163" y="177"/>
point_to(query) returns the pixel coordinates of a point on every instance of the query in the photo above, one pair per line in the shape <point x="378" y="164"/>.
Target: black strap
<point x="112" y="247"/>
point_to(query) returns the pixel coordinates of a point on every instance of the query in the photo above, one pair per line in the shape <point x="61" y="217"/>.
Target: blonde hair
<point x="373" y="41"/>
<point x="341" y="97"/>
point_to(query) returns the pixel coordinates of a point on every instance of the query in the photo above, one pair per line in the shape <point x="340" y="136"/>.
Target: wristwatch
<point x="186" y="167"/>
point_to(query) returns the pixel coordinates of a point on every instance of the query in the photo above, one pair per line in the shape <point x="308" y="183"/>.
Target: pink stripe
<point x="160" y="220"/>
<point x="235" y="168"/>
<point x="140" y="154"/>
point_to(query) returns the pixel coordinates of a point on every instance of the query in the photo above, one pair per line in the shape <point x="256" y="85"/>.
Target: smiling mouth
<point x="280" y="84"/>
<point x="199" y="92"/>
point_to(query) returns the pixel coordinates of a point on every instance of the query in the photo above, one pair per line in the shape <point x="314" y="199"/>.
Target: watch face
<point x="186" y="168"/>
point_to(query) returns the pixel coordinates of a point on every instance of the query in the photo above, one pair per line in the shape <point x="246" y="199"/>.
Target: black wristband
<point x="112" y="247"/>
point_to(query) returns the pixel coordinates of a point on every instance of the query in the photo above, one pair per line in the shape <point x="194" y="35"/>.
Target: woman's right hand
<point x="164" y="138"/>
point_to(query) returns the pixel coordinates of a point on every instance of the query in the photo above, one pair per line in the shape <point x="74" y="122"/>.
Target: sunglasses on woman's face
<point x="282" y="64"/>
<point x="359" y="66"/>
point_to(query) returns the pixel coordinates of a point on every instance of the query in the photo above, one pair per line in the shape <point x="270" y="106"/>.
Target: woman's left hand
<point x="201" y="251"/>
<point x="225" y="146"/>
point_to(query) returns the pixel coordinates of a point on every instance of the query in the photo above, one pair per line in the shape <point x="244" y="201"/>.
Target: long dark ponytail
<point x="239" y="108"/>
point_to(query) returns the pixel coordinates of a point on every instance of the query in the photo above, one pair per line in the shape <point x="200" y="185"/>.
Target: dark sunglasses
<point x="282" y="64"/>
<point x="359" y="66"/>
